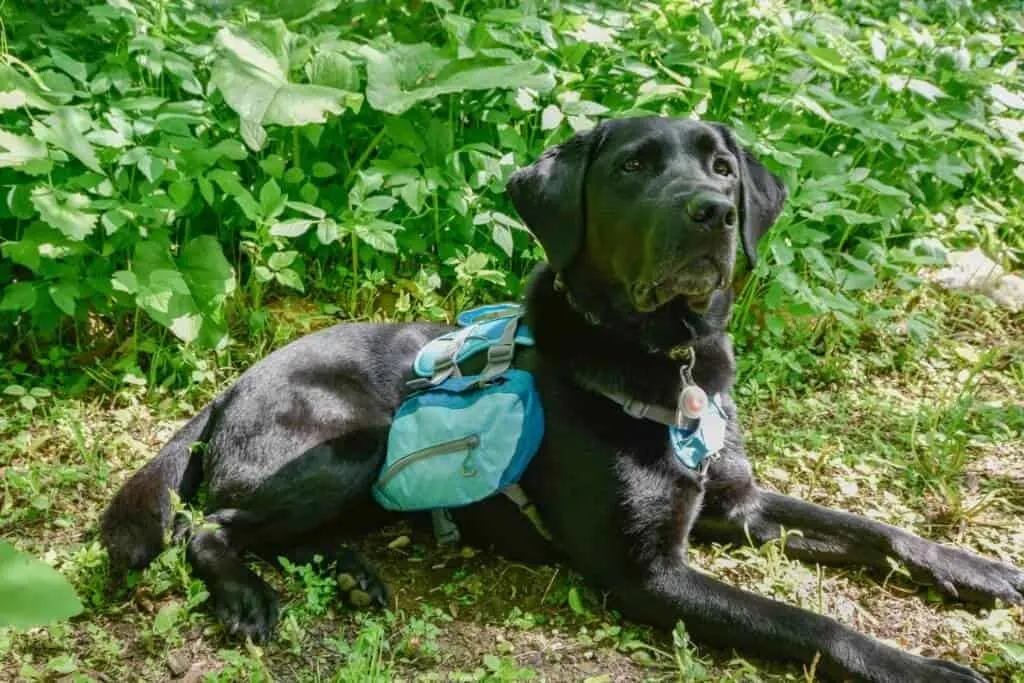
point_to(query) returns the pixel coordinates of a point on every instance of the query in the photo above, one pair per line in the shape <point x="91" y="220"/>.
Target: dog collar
<point x="696" y="428"/>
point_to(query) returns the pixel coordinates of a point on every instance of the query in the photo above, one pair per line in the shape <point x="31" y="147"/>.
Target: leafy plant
<point x="32" y="593"/>
<point x="180" y="162"/>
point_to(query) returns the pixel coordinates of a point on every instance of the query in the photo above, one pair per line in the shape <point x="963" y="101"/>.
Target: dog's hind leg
<point x="307" y="498"/>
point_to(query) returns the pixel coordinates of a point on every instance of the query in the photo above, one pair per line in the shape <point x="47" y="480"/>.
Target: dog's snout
<point x="711" y="210"/>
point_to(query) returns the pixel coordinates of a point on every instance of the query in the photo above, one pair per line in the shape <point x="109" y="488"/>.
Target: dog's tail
<point x="133" y="525"/>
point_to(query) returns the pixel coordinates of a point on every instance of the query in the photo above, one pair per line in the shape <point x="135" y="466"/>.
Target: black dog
<point x="640" y="219"/>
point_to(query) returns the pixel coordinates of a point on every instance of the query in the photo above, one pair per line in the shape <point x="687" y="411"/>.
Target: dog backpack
<point x="460" y="438"/>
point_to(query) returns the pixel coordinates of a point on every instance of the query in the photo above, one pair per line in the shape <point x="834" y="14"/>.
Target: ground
<point x="928" y="436"/>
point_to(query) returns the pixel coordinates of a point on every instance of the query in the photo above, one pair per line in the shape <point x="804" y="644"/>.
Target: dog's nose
<point x="711" y="210"/>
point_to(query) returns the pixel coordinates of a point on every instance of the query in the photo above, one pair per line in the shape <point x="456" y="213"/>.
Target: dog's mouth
<point x="696" y="282"/>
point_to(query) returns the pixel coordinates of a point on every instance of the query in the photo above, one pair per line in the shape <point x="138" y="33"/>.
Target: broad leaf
<point x="64" y="211"/>
<point x="18" y="90"/>
<point x="66" y="129"/>
<point x="16" y="150"/>
<point x="255" y="84"/>
<point x="32" y="593"/>
<point x="408" y="74"/>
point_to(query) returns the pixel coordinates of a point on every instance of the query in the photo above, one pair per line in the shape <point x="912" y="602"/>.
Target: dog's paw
<point x="943" y="671"/>
<point x="245" y="605"/>
<point x="966" y="576"/>
<point x="360" y="586"/>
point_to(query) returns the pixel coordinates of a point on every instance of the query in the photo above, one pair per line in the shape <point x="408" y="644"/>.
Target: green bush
<point x="180" y="161"/>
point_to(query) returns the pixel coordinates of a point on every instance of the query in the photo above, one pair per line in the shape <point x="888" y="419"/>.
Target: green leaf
<point x="407" y="74"/>
<point x="308" y="209"/>
<point x="72" y="67"/>
<point x="327" y="231"/>
<point x="180" y="192"/>
<point x="829" y="58"/>
<point x="270" y="197"/>
<point x="923" y="88"/>
<point x="576" y="602"/>
<point x="333" y="69"/>
<point x="64" y="295"/>
<point x="273" y="165"/>
<point x="281" y="259"/>
<point x="206" y="189"/>
<point x="16" y="150"/>
<point x="125" y="281"/>
<point x="18" y="90"/>
<point x="66" y="129"/>
<point x="292" y="228"/>
<point x="209" y="275"/>
<point x="378" y="234"/>
<point x="502" y="236"/>
<point x="32" y="593"/>
<point x="65" y="212"/>
<point x="254" y="82"/>
<point x="289" y="278"/>
<point x="1011" y="100"/>
<point x="20" y="296"/>
<point x="322" y="169"/>
<point x="166" y="619"/>
<point x="377" y="204"/>
<point x="551" y="117"/>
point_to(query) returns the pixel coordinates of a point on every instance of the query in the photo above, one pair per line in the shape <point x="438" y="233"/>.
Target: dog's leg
<point x="835" y="537"/>
<point x="301" y="502"/>
<point x="719" y="614"/>
<point x="241" y="600"/>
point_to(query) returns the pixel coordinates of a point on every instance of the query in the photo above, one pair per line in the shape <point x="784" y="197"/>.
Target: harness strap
<point x="445" y="529"/>
<point x="649" y="411"/>
<point x="515" y="493"/>
<point x="500" y="354"/>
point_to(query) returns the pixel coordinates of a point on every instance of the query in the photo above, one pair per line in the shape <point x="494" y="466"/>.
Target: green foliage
<point x="32" y="593"/>
<point x="180" y="161"/>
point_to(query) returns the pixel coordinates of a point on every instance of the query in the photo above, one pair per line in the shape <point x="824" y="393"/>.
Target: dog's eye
<point x="722" y="167"/>
<point x="631" y="165"/>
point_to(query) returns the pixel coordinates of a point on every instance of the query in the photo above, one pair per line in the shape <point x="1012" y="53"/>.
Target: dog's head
<point x="653" y="207"/>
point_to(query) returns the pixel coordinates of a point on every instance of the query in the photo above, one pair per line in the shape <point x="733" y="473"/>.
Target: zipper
<point x="446" y="448"/>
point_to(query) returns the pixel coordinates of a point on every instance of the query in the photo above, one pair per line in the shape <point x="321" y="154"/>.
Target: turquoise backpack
<point x="460" y="438"/>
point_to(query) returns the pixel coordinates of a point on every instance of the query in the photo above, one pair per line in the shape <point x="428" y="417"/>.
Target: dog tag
<point x="693" y="401"/>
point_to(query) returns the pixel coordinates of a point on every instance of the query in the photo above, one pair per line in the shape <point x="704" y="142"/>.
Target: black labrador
<point x="640" y="219"/>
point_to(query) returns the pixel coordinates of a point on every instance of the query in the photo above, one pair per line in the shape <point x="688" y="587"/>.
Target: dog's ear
<point x="549" y="197"/>
<point x="762" y="196"/>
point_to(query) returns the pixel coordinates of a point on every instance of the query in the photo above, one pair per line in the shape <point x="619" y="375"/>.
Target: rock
<point x="178" y="663"/>
<point x="973" y="271"/>
<point x="359" y="598"/>
<point x="399" y="542"/>
<point x="346" y="582"/>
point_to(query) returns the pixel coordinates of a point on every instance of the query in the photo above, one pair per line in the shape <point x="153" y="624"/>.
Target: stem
<point x="355" y="270"/>
<point x="364" y="156"/>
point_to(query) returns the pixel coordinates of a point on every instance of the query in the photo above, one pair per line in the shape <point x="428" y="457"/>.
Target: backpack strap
<point x="445" y="529"/>
<point x="515" y="493"/>
<point x="501" y="352"/>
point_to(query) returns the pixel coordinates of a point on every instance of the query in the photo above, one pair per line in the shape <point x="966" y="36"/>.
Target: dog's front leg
<point x="656" y="585"/>
<point x="834" y="537"/>
<point x="721" y="615"/>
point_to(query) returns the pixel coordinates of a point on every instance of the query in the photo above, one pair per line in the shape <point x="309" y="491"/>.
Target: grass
<point x="928" y="437"/>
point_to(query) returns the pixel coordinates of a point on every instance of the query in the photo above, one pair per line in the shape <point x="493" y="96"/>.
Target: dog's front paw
<point x="941" y="670"/>
<point x="963" y="575"/>
<point x="245" y="605"/>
